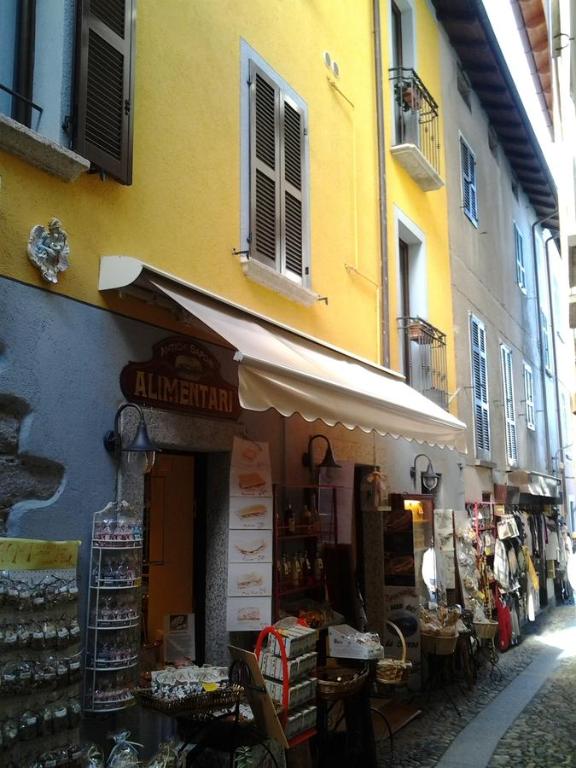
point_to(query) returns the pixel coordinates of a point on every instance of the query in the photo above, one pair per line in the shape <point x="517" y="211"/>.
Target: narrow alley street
<point x="524" y="719"/>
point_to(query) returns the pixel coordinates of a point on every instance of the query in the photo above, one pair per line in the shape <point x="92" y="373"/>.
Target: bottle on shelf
<point x="290" y="519"/>
<point x="309" y="574"/>
<point x="307" y="518"/>
<point x="296" y="571"/>
<point x="286" y="569"/>
<point x="318" y="568"/>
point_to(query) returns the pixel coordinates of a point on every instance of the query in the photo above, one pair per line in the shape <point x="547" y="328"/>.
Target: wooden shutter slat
<point x="105" y="85"/>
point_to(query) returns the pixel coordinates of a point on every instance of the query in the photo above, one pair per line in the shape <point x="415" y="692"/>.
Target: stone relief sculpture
<point x="48" y="249"/>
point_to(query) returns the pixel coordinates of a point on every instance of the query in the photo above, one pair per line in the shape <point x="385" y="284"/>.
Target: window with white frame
<point x="278" y="178"/>
<point x="509" y="409"/>
<point x="520" y="266"/>
<point x="529" y="397"/>
<point x="469" y="189"/>
<point x="479" y="365"/>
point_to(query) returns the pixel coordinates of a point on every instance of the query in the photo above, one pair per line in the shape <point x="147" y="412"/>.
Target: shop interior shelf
<point x="102" y="544"/>
<point x="290" y="536"/>
<point x="302" y="588"/>
<point x="128" y="665"/>
<point x="114" y="627"/>
<point x="136" y="585"/>
<point x="113" y="706"/>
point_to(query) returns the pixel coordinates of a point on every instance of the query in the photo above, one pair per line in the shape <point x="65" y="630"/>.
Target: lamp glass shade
<point x="429" y="478"/>
<point x="329" y="461"/>
<point x="141" y="442"/>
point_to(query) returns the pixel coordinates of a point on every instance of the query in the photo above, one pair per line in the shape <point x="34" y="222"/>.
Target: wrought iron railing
<point x="424" y="348"/>
<point x="416" y="114"/>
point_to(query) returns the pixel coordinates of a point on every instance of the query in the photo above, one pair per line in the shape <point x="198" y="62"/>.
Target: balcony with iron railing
<point x="416" y="144"/>
<point x="424" y="350"/>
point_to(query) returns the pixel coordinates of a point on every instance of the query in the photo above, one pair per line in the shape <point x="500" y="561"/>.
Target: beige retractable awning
<point x="280" y="369"/>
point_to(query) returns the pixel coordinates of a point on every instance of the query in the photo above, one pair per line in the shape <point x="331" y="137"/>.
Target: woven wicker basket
<point x="394" y="671"/>
<point x="486" y="630"/>
<point x="200" y="703"/>
<point x="336" y="683"/>
<point x="438" y="645"/>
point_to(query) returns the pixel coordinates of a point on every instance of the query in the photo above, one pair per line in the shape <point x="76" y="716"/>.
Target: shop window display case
<point x="113" y="630"/>
<point x="305" y="520"/>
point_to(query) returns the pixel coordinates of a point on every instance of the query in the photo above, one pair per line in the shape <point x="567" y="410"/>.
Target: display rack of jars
<point x="113" y="616"/>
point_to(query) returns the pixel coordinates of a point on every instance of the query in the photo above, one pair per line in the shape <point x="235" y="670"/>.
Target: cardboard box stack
<point x="300" y="643"/>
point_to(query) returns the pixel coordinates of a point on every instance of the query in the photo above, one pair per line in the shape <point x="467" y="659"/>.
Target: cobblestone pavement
<point x="544" y="736"/>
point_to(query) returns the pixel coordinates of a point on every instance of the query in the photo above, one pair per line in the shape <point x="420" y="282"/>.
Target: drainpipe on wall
<point x="540" y="336"/>
<point x="561" y="436"/>
<point x="384" y="302"/>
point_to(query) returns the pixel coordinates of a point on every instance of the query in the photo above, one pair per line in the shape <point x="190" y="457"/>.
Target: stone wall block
<point x="12" y="411"/>
<point x="28" y="477"/>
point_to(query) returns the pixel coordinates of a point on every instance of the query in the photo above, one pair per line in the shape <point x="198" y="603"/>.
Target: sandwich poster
<point x="249" y="603"/>
<point x="250" y="547"/>
<point x="249" y="580"/>
<point x="248" y="513"/>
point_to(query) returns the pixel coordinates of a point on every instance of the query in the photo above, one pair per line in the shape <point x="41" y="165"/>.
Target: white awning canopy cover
<point x="280" y="369"/>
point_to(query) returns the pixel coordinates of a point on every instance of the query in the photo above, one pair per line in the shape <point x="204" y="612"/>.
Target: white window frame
<point x="519" y="253"/>
<point x="469" y="181"/>
<point x="511" y="438"/>
<point x="481" y="399"/>
<point x="529" y="397"/>
<point x="294" y="287"/>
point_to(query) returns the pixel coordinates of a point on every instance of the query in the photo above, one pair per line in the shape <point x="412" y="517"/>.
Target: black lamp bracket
<point x="112" y="438"/>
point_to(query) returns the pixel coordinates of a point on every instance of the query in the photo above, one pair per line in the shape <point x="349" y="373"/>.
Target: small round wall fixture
<point x="48" y="249"/>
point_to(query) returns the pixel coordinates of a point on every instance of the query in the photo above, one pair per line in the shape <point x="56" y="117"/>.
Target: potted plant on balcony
<point x="411" y="97"/>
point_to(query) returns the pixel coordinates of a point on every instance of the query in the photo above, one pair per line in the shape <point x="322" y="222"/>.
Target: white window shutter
<point x="529" y="397"/>
<point x="520" y="266"/>
<point x="509" y="409"/>
<point x="480" y="388"/>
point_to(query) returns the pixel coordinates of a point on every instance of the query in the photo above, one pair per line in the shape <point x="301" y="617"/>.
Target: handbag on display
<point x="504" y="623"/>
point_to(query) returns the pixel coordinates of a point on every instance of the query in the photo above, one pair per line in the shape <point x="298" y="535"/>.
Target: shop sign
<point x="184" y="376"/>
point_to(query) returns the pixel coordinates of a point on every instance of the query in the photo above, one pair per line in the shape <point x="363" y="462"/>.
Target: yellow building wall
<point x="428" y="210"/>
<point x="182" y="213"/>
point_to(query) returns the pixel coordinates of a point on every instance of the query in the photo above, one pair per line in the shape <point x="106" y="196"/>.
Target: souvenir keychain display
<point x="112" y="636"/>
<point x="40" y="655"/>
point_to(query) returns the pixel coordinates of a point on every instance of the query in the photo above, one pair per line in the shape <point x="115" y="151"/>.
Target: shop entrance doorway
<point x="174" y="568"/>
